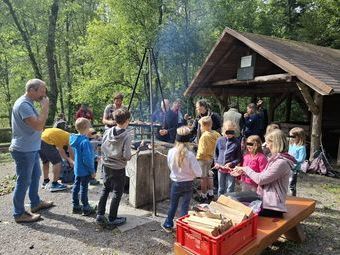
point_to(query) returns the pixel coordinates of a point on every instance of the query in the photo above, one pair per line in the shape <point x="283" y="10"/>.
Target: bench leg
<point x="296" y="234"/>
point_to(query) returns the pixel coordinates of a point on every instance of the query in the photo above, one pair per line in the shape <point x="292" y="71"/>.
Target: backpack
<point x="66" y="173"/>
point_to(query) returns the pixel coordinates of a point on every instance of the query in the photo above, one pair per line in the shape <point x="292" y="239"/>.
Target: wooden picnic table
<point x="270" y="229"/>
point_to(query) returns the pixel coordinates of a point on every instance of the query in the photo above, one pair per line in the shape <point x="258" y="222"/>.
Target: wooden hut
<point x="246" y="64"/>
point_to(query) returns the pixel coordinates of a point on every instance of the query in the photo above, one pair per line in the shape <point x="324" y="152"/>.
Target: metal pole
<point x="158" y="80"/>
<point x="135" y="86"/>
<point x="154" y="209"/>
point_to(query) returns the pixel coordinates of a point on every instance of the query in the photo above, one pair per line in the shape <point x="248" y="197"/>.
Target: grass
<point x="5" y="157"/>
<point x="7" y="185"/>
<point x="332" y="188"/>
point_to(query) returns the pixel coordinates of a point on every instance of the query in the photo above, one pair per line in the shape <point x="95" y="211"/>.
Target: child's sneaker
<point x="93" y="182"/>
<point x="44" y="184"/>
<point x="101" y="220"/>
<point x="88" y="210"/>
<point x="167" y="228"/>
<point x="77" y="209"/>
<point x="117" y="222"/>
<point x="57" y="187"/>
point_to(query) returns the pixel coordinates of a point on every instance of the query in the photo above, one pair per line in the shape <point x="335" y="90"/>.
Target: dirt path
<point x="62" y="232"/>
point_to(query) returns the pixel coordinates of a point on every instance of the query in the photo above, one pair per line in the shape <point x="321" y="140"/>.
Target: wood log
<point x="204" y="229"/>
<point x="206" y="214"/>
<point x="233" y="204"/>
<point x="236" y="216"/>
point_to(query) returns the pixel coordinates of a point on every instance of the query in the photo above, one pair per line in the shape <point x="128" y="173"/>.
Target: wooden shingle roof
<point x="318" y="67"/>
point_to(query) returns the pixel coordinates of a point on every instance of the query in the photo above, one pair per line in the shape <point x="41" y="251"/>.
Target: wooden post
<point x="271" y="110"/>
<point x="288" y="107"/>
<point x="316" y="124"/>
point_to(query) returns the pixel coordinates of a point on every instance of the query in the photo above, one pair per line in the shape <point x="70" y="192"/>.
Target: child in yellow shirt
<point x="205" y="155"/>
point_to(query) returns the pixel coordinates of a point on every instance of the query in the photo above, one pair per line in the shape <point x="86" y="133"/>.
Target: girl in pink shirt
<point x="255" y="159"/>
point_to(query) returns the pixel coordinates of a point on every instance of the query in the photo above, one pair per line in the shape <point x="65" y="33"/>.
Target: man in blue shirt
<point x="27" y="125"/>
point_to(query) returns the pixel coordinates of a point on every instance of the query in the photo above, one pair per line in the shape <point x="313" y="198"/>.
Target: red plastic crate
<point x="227" y="243"/>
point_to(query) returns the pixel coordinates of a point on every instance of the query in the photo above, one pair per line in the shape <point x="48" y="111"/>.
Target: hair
<point x="206" y="122"/>
<point x="82" y="124"/>
<point x="118" y="96"/>
<point x="299" y="136"/>
<point x="257" y="142"/>
<point x="233" y="105"/>
<point x="34" y="84"/>
<point x="279" y="141"/>
<point x="272" y="127"/>
<point x="121" y="115"/>
<point x="229" y="125"/>
<point x="182" y="148"/>
<point x="252" y="106"/>
<point x="203" y="103"/>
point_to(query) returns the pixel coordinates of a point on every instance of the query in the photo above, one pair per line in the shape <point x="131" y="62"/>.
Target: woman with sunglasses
<point x="255" y="159"/>
<point x="273" y="180"/>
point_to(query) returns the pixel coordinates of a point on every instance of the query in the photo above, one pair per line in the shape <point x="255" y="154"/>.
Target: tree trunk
<point x="26" y="40"/>
<point x="68" y="70"/>
<point x="50" y="49"/>
<point x="316" y="125"/>
<point x="60" y="87"/>
<point x="7" y="91"/>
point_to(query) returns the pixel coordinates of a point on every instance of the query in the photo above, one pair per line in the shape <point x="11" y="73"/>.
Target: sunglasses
<point x="230" y="132"/>
<point x="291" y="136"/>
<point x="250" y="144"/>
<point x="94" y="132"/>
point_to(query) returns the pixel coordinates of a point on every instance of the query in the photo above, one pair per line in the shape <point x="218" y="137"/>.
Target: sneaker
<point x="167" y="228"/>
<point x="27" y="217"/>
<point x="57" y="187"/>
<point x="44" y="184"/>
<point x="93" y="182"/>
<point x="77" y="209"/>
<point x="117" y="222"/>
<point x="88" y="211"/>
<point x="101" y="220"/>
<point x="42" y="205"/>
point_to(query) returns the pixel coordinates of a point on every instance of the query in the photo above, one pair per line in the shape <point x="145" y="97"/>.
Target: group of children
<point x="226" y="153"/>
<point x="116" y="151"/>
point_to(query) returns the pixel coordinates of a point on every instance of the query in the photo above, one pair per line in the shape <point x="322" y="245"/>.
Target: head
<point x="272" y="127"/>
<point x="206" y="123"/>
<point x="118" y="100"/>
<point x="251" y="108"/>
<point x="82" y="125"/>
<point x="259" y="103"/>
<point x="202" y="107"/>
<point x="84" y="106"/>
<point x="297" y="136"/>
<point x="233" y="105"/>
<point x="254" y="144"/>
<point x="182" y="144"/>
<point x="229" y="128"/>
<point x="36" y="89"/>
<point x="177" y="105"/>
<point x="277" y="142"/>
<point x="92" y="134"/>
<point x="122" y="117"/>
<point x="165" y="105"/>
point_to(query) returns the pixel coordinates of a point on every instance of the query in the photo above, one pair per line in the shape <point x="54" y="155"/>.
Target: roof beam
<point x="285" y="77"/>
<point x="308" y="98"/>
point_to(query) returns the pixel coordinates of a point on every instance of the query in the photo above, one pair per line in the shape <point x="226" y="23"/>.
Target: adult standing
<point x="263" y="118"/>
<point x="84" y="112"/>
<point x="27" y="125"/>
<point x="203" y="109"/>
<point x="176" y="108"/>
<point x="108" y="117"/>
<point x="234" y="116"/>
<point x="251" y="121"/>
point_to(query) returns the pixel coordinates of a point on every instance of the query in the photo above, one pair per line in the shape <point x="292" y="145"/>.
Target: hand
<point x="112" y="122"/>
<point x="217" y="166"/>
<point x="187" y="116"/>
<point x="71" y="162"/>
<point x="163" y="132"/>
<point x="45" y="102"/>
<point x="237" y="171"/>
<point x="93" y="175"/>
<point x="246" y="115"/>
<point x="228" y="165"/>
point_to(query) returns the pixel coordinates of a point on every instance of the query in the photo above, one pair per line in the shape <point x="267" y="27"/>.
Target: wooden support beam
<point x="316" y="124"/>
<point x="308" y="98"/>
<point x="288" y="107"/>
<point x="285" y="77"/>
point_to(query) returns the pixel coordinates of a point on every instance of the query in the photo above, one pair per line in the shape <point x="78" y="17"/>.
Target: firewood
<point x="235" y="216"/>
<point x="207" y="214"/>
<point x="205" y="229"/>
<point x="227" y="201"/>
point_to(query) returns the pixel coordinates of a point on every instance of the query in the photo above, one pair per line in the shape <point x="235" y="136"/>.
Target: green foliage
<point x="7" y="184"/>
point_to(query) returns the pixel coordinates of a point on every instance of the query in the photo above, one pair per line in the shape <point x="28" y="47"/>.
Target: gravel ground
<point x="61" y="232"/>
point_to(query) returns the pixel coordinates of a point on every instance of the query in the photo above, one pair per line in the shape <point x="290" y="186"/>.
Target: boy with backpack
<point x="116" y="151"/>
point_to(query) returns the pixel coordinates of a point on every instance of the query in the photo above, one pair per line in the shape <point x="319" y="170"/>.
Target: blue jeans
<point x="178" y="190"/>
<point x="81" y="183"/>
<point x="28" y="174"/>
<point x="226" y="183"/>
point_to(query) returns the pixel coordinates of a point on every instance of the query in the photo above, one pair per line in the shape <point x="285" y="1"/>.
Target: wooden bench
<point x="270" y="229"/>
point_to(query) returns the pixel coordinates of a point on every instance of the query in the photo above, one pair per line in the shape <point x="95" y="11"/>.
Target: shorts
<point x="49" y="153"/>
<point x="205" y="166"/>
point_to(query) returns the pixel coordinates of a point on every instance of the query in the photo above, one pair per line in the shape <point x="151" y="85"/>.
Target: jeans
<point x="292" y="183"/>
<point x="114" y="181"/>
<point x="178" y="190"/>
<point x="226" y="183"/>
<point x="28" y="173"/>
<point x="81" y="183"/>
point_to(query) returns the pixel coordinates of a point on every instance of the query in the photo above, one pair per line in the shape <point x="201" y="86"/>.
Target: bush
<point x="5" y="136"/>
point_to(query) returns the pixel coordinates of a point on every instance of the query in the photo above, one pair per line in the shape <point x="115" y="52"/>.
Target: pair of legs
<point x="226" y="183"/>
<point x="178" y="190"/>
<point x="292" y="183"/>
<point x="81" y="184"/>
<point x="114" y="181"/>
<point x="207" y="185"/>
<point x="28" y="173"/>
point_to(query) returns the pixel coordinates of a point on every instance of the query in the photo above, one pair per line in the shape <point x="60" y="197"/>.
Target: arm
<point x="64" y="156"/>
<point x="274" y="172"/>
<point x="38" y="122"/>
<point x="106" y="120"/>
<point x="238" y="156"/>
<point x="88" y="157"/>
<point x="127" y="148"/>
<point x="301" y="155"/>
<point x="202" y="144"/>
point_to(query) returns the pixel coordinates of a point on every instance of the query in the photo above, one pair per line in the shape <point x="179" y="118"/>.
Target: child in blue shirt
<point x="83" y="166"/>
<point x="297" y="149"/>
